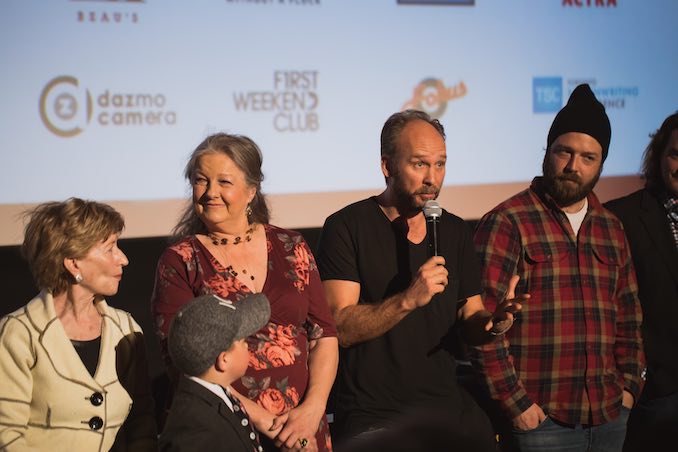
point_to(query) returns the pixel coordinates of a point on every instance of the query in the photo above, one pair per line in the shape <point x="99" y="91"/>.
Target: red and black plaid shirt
<point x="576" y="344"/>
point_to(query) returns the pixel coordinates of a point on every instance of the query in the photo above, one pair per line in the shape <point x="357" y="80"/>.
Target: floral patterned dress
<point x="277" y="375"/>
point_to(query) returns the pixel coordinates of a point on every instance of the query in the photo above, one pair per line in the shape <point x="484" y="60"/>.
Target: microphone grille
<point x="432" y="209"/>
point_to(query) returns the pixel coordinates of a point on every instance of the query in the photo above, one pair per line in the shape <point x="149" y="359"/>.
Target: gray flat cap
<point x="208" y="325"/>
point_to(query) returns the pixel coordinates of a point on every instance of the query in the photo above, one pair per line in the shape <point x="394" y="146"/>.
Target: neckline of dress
<point x="222" y="270"/>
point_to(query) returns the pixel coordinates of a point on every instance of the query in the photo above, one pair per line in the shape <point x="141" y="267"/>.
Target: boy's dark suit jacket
<point x="199" y="420"/>
<point x="656" y="260"/>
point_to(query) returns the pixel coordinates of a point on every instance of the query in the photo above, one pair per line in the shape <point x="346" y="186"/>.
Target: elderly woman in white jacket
<point x="72" y="369"/>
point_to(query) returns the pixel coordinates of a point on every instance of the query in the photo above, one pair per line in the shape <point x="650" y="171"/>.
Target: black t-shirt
<point x="412" y="364"/>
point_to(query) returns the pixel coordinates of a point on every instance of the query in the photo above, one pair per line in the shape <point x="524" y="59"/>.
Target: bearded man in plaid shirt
<point x="568" y="372"/>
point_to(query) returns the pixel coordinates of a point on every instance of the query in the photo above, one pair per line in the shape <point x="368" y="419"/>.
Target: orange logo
<point x="431" y="96"/>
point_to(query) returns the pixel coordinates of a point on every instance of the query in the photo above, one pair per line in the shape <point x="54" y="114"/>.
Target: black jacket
<point x="656" y="261"/>
<point x="200" y="420"/>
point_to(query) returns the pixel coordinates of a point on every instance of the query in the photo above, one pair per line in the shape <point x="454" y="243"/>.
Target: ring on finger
<point x="303" y="442"/>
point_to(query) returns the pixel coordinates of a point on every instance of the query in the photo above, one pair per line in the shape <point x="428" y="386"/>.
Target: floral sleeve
<point x="303" y="272"/>
<point x="176" y="269"/>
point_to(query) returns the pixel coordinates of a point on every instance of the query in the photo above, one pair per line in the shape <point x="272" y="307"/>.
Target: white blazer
<point x="48" y="399"/>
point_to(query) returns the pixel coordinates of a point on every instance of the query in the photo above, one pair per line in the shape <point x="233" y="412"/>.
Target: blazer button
<point x="97" y="398"/>
<point x="96" y="423"/>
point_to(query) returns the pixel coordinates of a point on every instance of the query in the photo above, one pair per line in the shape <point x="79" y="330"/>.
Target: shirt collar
<point x="671" y="206"/>
<point x="215" y="388"/>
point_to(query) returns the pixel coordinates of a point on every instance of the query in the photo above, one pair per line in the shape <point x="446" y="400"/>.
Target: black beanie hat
<point x="583" y="113"/>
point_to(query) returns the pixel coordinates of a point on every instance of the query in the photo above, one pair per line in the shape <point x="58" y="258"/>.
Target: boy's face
<point x="239" y="356"/>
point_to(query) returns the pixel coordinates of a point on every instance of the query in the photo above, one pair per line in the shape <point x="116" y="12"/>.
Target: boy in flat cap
<point x="568" y="372"/>
<point x="207" y="344"/>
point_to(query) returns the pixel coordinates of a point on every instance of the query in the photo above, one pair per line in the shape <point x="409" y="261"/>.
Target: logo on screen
<point x="66" y="108"/>
<point x="431" y="95"/>
<point x="590" y="3"/>
<point x="293" y="101"/>
<point x="107" y="11"/>
<point x="437" y="2"/>
<point x="277" y="2"/>
<point x="547" y="94"/>
<point x="613" y="97"/>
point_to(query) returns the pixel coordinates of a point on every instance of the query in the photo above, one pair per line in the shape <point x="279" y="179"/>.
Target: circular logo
<point x="430" y="94"/>
<point x="60" y="110"/>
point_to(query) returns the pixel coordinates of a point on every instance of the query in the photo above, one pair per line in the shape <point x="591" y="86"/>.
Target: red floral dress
<point x="277" y="375"/>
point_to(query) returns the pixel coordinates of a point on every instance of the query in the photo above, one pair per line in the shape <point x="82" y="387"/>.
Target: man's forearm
<point x="363" y="322"/>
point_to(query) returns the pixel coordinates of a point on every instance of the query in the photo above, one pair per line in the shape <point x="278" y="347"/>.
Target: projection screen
<point x="105" y="99"/>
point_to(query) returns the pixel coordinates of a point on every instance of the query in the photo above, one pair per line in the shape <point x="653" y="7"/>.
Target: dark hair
<point x="395" y="124"/>
<point x="247" y="157"/>
<point x="652" y="156"/>
<point x="61" y="230"/>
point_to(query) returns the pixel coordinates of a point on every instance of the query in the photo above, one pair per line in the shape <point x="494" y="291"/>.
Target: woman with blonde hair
<point x="73" y="369"/>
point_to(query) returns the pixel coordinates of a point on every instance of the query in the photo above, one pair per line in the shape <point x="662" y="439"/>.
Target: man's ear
<point x="386" y="167"/>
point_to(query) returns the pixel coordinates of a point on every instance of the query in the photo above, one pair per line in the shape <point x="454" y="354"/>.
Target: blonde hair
<point x="60" y="230"/>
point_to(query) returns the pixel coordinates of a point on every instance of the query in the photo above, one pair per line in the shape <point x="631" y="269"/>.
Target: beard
<point x="567" y="188"/>
<point x="407" y="202"/>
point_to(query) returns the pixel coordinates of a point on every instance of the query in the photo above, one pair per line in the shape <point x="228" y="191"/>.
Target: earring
<point x="78" y="278"/>
<point x="248" y="212"/>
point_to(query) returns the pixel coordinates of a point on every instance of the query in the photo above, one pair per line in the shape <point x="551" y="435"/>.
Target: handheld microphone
<point x="432" y="212"/>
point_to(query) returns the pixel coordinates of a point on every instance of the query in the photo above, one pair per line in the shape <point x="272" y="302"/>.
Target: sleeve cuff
<point x="517" y="404"/>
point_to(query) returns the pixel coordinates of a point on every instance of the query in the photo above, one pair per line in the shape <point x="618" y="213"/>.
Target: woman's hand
<point x="302" y="423"/>
<point x="304" y="420"/>
<point x="269" y="424"/>
<point x="310" y="446"/>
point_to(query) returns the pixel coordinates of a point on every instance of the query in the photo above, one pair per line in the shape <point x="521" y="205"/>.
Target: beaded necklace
<point x="217" y="241"/>
<point x="236" y="241"/>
